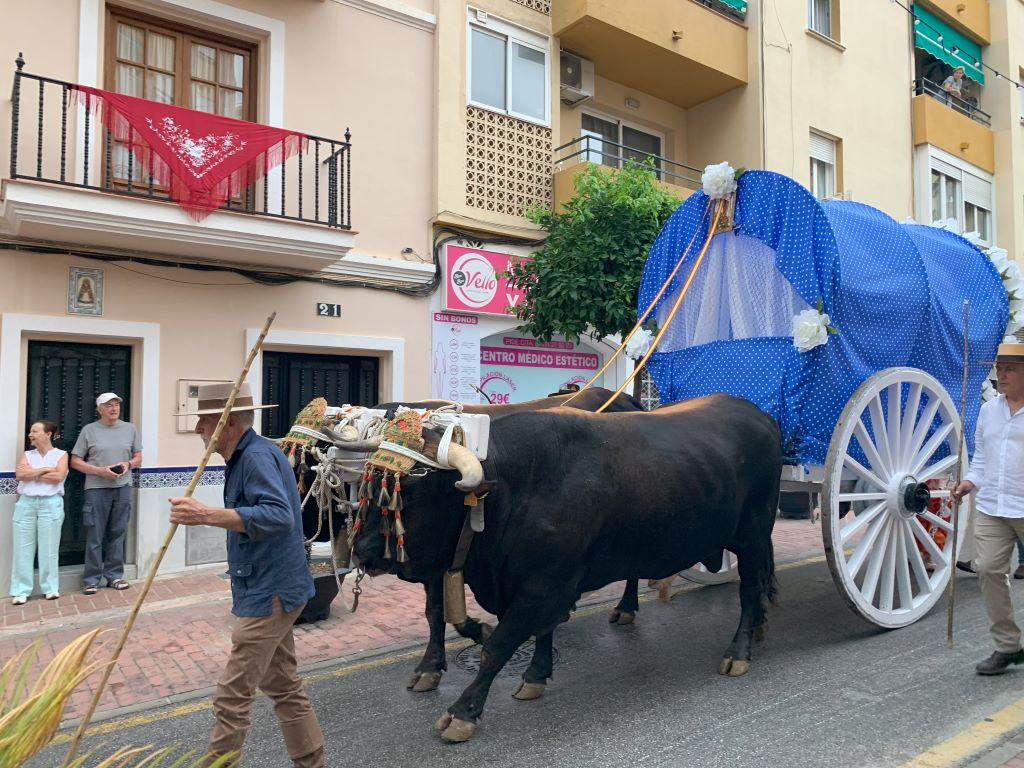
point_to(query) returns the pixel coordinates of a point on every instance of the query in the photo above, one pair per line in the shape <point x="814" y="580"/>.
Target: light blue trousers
<point x="37" y="522"/>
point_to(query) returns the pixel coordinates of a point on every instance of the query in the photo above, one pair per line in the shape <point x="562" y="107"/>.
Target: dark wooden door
<point x="291" y="380"/>
<point x="63" y="381"/>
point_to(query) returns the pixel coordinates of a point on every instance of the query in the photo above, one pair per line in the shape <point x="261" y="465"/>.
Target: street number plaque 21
<point x="328" y="310"/>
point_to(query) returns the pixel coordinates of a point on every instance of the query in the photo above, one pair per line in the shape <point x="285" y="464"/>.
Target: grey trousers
<point x="996" y="540"/>
<point x="105" y="517"/>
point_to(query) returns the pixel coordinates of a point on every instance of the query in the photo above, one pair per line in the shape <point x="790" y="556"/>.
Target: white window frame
<point x="488" y="24"/>
<point x="622" y="124"/>
<point x="928" y="158"/>
<point x="829" y="158"/>
<point x="813" y="23"/>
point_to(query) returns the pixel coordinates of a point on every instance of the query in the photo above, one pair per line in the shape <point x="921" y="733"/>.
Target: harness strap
<point x="465" y="540"/>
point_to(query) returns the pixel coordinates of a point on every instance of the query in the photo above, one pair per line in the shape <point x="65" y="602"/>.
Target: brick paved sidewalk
<point x="182" y="636"/>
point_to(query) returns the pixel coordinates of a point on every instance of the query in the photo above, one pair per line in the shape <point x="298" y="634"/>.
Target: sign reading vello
<point x="472" y="283"/>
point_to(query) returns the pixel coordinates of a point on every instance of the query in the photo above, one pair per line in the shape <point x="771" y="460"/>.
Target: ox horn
<point x="468" y="466"/>
<point x="368" y="445"/>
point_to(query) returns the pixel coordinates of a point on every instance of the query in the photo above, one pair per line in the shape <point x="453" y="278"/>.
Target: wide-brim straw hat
<point x="213" y="397"/>
<point x="1008" y="352"/>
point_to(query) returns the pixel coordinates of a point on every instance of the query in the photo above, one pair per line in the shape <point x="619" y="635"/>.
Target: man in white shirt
<point x="997" y="474"/>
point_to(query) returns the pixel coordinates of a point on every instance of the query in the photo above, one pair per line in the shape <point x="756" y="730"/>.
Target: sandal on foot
<point x="19" y="600"/>
<point x="90" y="589"/>
<point x="119" y="584"/>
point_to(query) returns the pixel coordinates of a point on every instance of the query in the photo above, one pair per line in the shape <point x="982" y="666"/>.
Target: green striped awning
<point x="940" y="40"/>
<point x="736" y="5"/>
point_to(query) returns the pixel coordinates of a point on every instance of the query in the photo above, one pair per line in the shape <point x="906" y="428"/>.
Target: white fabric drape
<point x="736" y="294"/>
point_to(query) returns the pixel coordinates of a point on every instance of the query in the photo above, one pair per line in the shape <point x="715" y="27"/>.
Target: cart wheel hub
<point x="912" y="497"/>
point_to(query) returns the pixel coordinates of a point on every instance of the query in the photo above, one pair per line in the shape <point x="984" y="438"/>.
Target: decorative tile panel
<point x="541" y="6"/>
<point x="508" y="163"/>
<point x="152" y="477"/>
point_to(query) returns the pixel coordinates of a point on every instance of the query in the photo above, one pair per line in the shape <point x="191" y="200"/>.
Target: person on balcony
<point x="954" y="84"/>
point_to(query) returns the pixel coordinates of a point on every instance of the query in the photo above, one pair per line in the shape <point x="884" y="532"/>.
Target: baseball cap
<point x="106" y="397"/>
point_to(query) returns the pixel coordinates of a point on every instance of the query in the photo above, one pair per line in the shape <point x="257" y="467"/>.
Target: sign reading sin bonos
<point x="472" y="283"/>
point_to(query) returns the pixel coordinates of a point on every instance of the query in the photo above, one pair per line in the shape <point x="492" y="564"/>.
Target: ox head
<point x="410" y="513"/>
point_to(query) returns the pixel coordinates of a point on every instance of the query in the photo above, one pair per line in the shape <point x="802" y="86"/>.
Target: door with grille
<point x="63" y="381"/>
<point x="291" y="380"/>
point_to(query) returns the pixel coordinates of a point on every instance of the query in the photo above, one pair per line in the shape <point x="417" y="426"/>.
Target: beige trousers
<point x="996" y="541"/>
<point x="263" y="656"/>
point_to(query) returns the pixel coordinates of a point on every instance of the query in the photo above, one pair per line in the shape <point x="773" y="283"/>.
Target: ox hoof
<point x="453" y="730"/>
<point x="733" y="667"/>
<point x="528" y="691"/>
<point x="424" y="681"/>
<point x="622" y="618"/>
<point x="664" y="587"/>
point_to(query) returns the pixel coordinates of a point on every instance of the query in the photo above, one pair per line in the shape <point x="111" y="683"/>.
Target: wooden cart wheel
<point x="885" y="498"/>
<point x="701" y="575"/>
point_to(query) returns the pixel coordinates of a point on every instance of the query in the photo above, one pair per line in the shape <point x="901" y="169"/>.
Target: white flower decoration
<point x="638" y="344"/>
<point x="987" y="390"/>
<point x="719" y="181"/>
<point x="810" y="329"/>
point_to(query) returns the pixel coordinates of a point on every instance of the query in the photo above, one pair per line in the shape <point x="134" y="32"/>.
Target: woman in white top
<point x="39" y="513"/>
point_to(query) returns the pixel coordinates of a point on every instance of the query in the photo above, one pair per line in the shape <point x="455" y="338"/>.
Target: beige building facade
<point x="433" y="127"/>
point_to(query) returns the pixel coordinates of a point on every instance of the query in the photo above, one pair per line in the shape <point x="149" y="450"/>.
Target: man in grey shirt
<point x="106" y="452"/>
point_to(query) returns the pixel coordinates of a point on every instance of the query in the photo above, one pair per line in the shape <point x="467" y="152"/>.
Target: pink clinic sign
<point x="472" y="283"/>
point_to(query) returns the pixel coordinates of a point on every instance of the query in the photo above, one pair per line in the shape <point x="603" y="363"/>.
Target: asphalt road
<point x="825" y="688"/>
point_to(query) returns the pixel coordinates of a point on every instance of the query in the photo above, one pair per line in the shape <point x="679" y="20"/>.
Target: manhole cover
<point x="469" y="659"/>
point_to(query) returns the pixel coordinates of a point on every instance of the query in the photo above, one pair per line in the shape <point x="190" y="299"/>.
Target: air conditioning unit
<point x="576" y="79"/>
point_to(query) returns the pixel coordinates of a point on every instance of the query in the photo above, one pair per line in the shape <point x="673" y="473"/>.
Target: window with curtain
<point x="819" y="16"/>
<point x="178" y="65"/>
<point x="508" y="71"/>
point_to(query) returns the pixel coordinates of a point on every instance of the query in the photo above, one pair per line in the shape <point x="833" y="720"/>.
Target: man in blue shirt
<point x="270" y="580"/>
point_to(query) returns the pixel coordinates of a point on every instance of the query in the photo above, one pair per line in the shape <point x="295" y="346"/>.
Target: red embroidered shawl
<point x="201" y="158"/>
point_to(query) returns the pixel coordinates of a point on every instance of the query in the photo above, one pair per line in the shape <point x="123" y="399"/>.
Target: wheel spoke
<point x="892" y="428"/>
<point x="903" y="566"/>
<point x="914" y="555"/>
<point x="937" y="469"/>
<point x="887" y="590"/>
<point x="863" y="472"/>
<point x="876" y="560"/>
<point x="929" y="543"/>
<point x="921" y="459"/>
<point x="864" y="439"/>
<point x="863" y="549"/>
<point x="881" y="433"/>
<point x="873" y="496"/>
<point x="861" y="520"/>
<point x="909" y="421"/>
<point x="923" y="425"/>
<point x="937" y="521"/>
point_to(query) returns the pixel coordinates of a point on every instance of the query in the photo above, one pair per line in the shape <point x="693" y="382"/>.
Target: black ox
<point x="428" y="672"/>
<point x="580" y="500"/>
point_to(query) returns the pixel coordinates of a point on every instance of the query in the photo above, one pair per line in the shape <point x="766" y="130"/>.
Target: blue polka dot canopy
<point x="894" y="292"/>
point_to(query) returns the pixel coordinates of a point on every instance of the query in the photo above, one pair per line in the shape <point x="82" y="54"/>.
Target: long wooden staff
<point x="108" y="668"/>
<point x="959" y="475"/>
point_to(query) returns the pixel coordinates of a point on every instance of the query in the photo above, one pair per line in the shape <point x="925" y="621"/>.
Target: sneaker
<point x="52" y="595"/>
<point x="19" y="600"/>
<point x="966" y="565"/>
<point x="999" y="662"/>
<point x="1019" y="573"/>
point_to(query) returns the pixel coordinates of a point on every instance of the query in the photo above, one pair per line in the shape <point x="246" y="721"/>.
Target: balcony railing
<point x="43" y="108"/>
<point x="593" y="149"/>
<point x="968" y="107"/>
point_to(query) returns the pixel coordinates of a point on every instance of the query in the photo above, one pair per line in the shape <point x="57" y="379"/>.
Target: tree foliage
<point x="585" y="278"/>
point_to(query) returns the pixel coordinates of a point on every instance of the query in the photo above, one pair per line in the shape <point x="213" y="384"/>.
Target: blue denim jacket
<point x="269" y="558"/>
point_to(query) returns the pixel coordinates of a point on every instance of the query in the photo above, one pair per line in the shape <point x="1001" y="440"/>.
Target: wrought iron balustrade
<point x="594" y="149"/>
<point x="43" y="109"/>
<point x="968" y="107"/>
